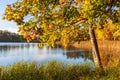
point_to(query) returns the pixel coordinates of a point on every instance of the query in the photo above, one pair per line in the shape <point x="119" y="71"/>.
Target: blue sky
<point x="6" y="25"/>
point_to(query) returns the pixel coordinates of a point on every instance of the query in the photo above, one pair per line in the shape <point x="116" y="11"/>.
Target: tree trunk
<point x="95" y="50"/>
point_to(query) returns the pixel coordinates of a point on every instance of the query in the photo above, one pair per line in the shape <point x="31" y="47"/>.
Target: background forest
<point x="6" y="36"/>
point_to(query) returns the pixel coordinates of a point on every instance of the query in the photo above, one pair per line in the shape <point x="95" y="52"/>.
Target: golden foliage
<point x="53" y="20"/>
<point x="109" y="31"/>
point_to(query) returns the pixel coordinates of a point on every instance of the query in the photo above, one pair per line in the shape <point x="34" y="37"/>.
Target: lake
<point x="30" y="52"/>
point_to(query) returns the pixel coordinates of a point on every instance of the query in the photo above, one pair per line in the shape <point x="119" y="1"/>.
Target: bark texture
<point x="95" y="50"/>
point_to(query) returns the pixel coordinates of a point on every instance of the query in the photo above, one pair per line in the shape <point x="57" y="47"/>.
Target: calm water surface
<point x="15" y="52"/>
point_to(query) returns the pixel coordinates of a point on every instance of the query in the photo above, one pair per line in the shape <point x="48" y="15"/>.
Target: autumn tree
<point x="109" y="31"/>
<point x="52" y="20"/>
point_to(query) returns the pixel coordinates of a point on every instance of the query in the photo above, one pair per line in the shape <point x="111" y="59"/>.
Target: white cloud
<point x="6" y="25"/>
<point x="11" y="29"/>
<point x="9" y="26"/>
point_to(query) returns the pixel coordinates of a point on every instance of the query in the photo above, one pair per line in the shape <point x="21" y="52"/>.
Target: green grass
<point x="55" y="70"/>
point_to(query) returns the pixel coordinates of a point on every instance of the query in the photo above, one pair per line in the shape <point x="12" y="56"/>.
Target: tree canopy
<point x="61" y="20"/>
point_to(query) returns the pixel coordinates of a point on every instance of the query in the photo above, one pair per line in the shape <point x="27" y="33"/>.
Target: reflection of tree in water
<point x="73" y="52"/>
<point x="77" y="54"/>
<point x="8" y="47"/>
<point x="5" y="49"/>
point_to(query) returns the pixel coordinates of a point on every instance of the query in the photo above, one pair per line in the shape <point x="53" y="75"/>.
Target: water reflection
<point x="15" y="52"/>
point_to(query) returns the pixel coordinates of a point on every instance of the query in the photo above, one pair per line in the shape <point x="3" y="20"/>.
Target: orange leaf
<point x="76" y="3"/>
<point x="28" y="38"/>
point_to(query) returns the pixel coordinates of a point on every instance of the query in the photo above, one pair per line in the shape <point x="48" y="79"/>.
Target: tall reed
<point x="109" y="51"/>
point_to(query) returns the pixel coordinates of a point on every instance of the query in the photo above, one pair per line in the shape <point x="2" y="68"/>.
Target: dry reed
<point x="109" y="51"/>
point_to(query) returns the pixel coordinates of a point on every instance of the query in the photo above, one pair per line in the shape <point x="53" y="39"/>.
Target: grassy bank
<point x="57" y="71"/>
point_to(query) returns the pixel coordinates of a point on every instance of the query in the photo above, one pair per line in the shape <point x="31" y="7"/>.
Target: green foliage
<point x="55" y="70"/>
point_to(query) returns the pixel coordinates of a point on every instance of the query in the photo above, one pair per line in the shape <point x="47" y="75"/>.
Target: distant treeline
<point x="6" y="36"/>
